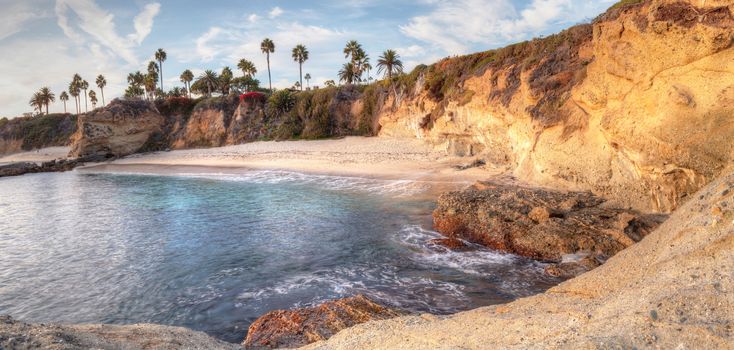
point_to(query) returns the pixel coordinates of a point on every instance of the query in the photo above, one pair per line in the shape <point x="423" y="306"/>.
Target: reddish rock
<point x="294" y="328"/>
<point x="539" y="223"/>
<point x="450" y="243"/>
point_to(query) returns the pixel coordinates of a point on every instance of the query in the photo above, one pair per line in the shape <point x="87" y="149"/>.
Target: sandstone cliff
<point x="636" y="106"/>
<point x="120" y="129"/>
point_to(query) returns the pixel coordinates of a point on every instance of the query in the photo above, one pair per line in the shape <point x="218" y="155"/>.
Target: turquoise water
<point x="212" y="252"/>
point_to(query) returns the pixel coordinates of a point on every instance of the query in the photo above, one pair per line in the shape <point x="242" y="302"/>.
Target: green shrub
<point x="47" y="130"/>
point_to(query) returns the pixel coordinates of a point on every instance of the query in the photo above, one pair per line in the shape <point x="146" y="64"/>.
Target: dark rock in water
<point x="294" y="328"/>
<point x="15" y="169"/>
<point x="58" y="165"/>
<point x="539" y="223"/>
<point x="451" y="243"/>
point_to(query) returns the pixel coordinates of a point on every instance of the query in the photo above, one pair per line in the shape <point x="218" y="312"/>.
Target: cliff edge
<point x="636" y="106"/>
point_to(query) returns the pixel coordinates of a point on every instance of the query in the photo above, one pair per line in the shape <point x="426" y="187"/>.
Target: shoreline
<point x="367" y="157"/>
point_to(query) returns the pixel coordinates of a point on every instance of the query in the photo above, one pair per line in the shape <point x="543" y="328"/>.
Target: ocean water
<point x="214" y="251"/>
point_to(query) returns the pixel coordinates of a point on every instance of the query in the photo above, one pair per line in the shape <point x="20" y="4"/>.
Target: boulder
<point x="539" y="223"/>
<point x="298" y="327"/>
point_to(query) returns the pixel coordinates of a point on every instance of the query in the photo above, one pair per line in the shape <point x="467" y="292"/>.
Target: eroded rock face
<point x="294" y="328"/>
<point x="635" y="107"/>
<point x="538" y="223"/>
<point x="120" y="129"/>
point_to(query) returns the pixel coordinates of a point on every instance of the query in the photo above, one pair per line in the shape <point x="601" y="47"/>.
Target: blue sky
<point x="44" y="42"/>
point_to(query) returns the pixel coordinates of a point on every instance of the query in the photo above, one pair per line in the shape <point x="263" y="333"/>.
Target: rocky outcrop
<point x="120" y="129"/>
<point x="672" y="290"/>
<point x="59" y="165"/>
<point x="294" y="328"/>
<point x="19" y="335"/>
<point x="635" y="107"/>
<point x="540" y="224"/>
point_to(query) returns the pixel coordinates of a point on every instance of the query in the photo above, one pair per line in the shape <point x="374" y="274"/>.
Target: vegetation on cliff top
<point x="39" y="132"/>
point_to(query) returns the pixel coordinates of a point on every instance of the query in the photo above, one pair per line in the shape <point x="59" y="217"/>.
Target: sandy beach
<point x="404" y="159"/>
<point x="36" y="156"/>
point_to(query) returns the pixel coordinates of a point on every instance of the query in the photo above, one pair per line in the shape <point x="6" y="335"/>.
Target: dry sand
<point x="37" y="156"/>
<point x="404" y="159"/>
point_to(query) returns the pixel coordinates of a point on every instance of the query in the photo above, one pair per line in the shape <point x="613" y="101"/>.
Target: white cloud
<point x="15" y="16"/>
<point x="253" y="18"/>
<point x="411" y="51"/>
<point x="275" y="12"/>
<point x="143" y="22"/>
<point x="227" y="43"/>
<point x="68" y="58"/>
<point x="100" y="26"/>
<point x="457" y="25"/>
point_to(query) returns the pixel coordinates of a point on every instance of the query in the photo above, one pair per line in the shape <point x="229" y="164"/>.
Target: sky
<point x="45" y="42"/>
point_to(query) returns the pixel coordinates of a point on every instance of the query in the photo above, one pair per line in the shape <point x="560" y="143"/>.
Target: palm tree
<point x="307" y="77"/>
<point x="161" y="56"/>
<point x="93" y="99"/>
<point x="187" y="77"/>
<point x="64" y="97"/>
<point x="225" y="80"/>
<point x="74" y="92"/>
<point x="150" y="81"/>
<point x="300" y="55"/>
<point x="351" y="49"/>
<point x="47" y="97"/>
<point x="390" y="63"/>
<point x="330" y="83"/>
<point x="101" y="83"/>
<point x="75" y="85"/>
<point x="210" y="78"/>
<point x="248" y="68"/>
<point x="268" y="47"/>
<point x="348" y="73"/>
<point x="36" y="102"/>
<point x="84" y="85"/>
<point x="359" y="59"/>
<point x="136" y="81"/>
<point x="367" y="66"/>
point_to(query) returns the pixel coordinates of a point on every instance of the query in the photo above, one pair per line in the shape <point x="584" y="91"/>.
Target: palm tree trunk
<point x="46" y="108"/>
<point x="300" y="74"/>
<point x="160" y="67"/>
<point x="208" y="89"/>
<point x="270" y="80"/>
<point x="102" y="91"/>
<point x="64" y="107"/>
<point x="86" y="108"/>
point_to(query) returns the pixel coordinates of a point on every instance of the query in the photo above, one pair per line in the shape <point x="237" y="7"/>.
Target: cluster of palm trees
<point x="150" y="84"/>
<point x="359" y="63"/>
<point x="43" y="97"/>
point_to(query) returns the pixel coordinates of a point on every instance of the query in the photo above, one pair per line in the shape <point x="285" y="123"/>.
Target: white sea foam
<point x="394" y="188"/>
